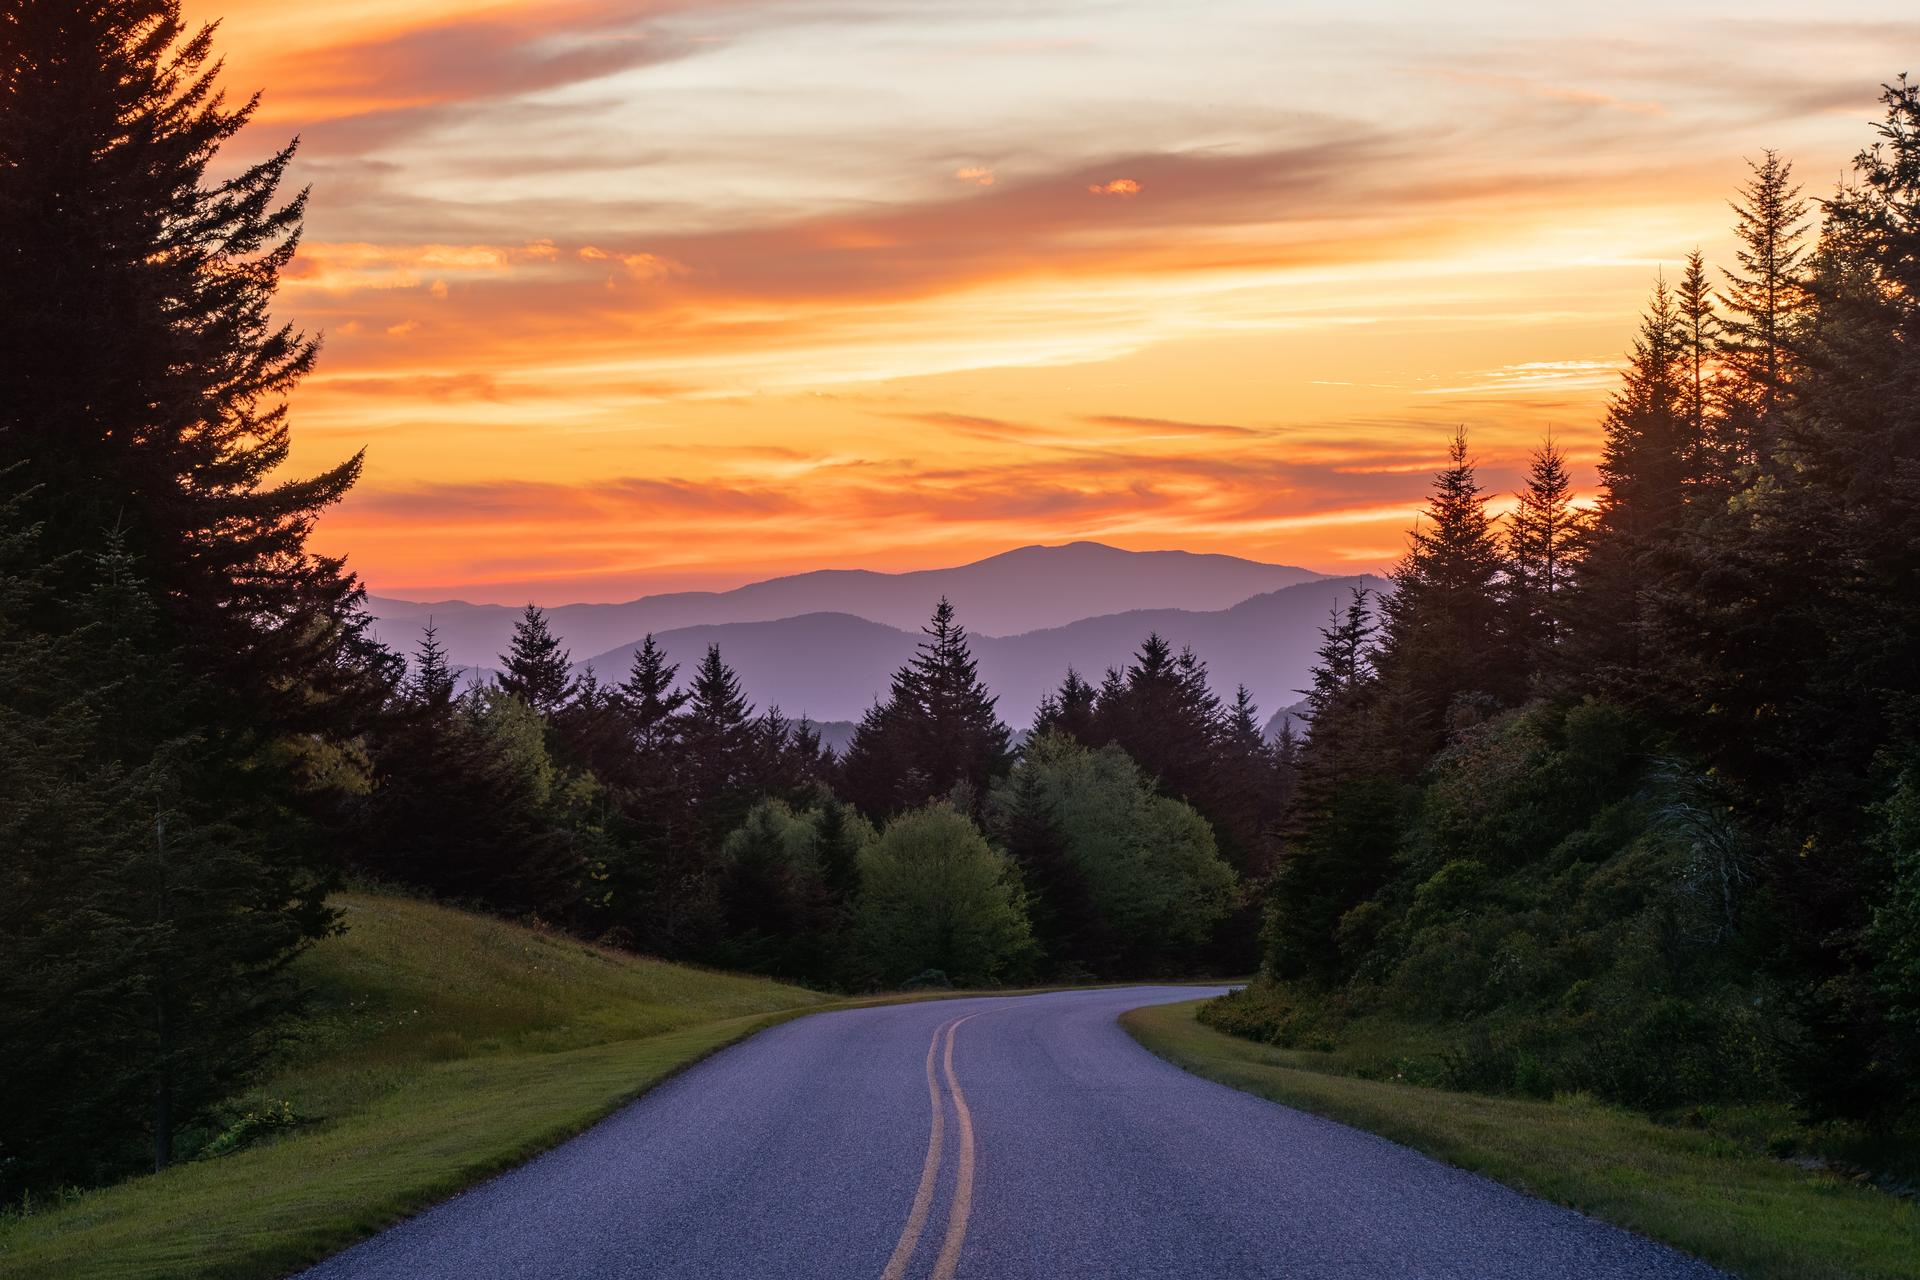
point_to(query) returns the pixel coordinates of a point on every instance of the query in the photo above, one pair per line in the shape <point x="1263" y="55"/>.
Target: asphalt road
<point x="1004" y="1137"/>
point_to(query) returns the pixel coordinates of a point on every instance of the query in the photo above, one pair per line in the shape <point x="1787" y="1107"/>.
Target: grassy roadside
<point x="442" y="1047"/>
<point x="1762" y="1218"/>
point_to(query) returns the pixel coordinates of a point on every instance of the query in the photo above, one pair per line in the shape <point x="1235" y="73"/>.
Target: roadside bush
<point x="935" y="896"/>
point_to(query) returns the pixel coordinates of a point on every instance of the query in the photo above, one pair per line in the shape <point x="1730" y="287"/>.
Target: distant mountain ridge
<point x="1027" y="589"/>
<point x="832" y="666"/>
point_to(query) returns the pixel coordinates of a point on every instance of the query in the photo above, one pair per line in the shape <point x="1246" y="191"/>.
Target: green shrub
<point x="935" y="895"/>
<point x="251" y="1128"/>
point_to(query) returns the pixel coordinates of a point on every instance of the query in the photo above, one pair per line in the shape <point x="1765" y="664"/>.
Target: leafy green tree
<point x="935" y="896"/>
<point x="535" y="668"/>
<point x="780" y="916"/>
<point x="1150" y="868"/>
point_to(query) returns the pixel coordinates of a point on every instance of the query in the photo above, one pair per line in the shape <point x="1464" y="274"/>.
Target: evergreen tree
<point x="716" y="750"/>
<point x="1630" y="543"/>
<point x="1706" y="464"/>
<point x="1543" y="538"/>
<point x="535" y="667"/>
<point x="591" y="732"/>
<point x="937" y="730"/>
<point x="1165" y="718"/>
<point x="1068" y="711"/>
<point x="652" y="704"/>
<point x="1247" y="792"/>
<point x="1762" y="304"/>
<point x="224" y="670"/>
<point x="431" y="683"/>
<point x="1445" y="640"/>
<point x="148" y="925"/>
<point x="1028" y="826"/>
<point x="142" y="379"/>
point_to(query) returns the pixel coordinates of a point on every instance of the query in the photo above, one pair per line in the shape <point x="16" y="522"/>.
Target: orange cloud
<point x="1117" y="187"/>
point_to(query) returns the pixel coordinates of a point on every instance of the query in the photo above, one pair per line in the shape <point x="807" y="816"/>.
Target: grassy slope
<point x="442" y="1046"/>
<point x="1758" y="1217"/>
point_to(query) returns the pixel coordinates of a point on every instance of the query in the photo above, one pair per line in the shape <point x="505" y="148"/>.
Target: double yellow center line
<point x="961" y="1205"/>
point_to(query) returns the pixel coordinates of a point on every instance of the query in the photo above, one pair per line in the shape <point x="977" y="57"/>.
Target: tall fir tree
<point x="1163" y="715"/>
<point x="535" y="668"/>
<point x="432" y="682"/>
<point x="1445" y="638"/>
<point x="1761" y="306"/>
<point x="1706" y="464"/>
<point x="1028" y="827"/>
<point x="651" y="701"/>
<point x="142" y="378"/>
<point x="1629" y="544"/>
<point x="1069" y="710"/>
<point x="1543" y="544"/>
<point x="717" y="744"/>
<point x="938" y="729"/>
<point x="142" y="421"/>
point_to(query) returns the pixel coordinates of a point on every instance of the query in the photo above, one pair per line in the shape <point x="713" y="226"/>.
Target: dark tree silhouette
<point x="937" y="730"/>
<point x="535" y="667"/>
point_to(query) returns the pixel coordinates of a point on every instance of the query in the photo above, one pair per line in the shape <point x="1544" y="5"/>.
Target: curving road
<point x="1009" y="1137"/>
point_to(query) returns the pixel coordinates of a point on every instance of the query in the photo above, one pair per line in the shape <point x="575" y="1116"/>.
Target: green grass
<point x="441" y="1047"/>
<point x="1759" y="1217"/>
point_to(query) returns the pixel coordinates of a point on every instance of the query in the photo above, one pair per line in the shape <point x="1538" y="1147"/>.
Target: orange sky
<point x="628" y="296"/>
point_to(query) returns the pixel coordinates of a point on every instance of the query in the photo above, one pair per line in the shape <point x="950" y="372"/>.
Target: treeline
<point x="199" y="737"/>
<point x="668" y="816"/>
<point x="1628" y="799"/>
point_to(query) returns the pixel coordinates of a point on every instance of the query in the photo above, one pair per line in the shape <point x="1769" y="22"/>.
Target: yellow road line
<point x="963" y="1180"/>
<point x="929" y="1174"/>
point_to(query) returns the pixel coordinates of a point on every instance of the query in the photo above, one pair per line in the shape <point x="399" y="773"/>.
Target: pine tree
<point x="716" y="749"/>
<point x="142" y="386"/>
<point x="432" y="681"/>
<point x="1762" y="305"/>
<point x="1029" y="828"/>
<point x="1068" y="711"/>
<point x="1543" y="540"/>
<point x="535" y="667"/>
<point x="142" y="381"/>
<point x="1445" y="639"/>
<point x="1705" y="463"/>
<point x="1643" y="465"/>
<point x="1248" y="791"/>
<point x="652" y="704"/>
<point x="1163" y="715"/>
<point x="1629" y="545"/>
<point x="937" y="730"/>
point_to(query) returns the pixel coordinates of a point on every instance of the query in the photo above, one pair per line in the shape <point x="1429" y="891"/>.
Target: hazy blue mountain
<point x="831" y="666"/>
<point x="1295" y="715"/>
<point x="1018" y="591"/>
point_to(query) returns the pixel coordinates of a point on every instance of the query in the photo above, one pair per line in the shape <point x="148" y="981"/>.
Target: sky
<point x="625" y="297"/>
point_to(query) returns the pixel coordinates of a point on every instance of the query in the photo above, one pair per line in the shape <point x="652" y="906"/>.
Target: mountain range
<point x="832" y="666"/>
<point x="1020" y="590"/>
<point x="825" y="644"/>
